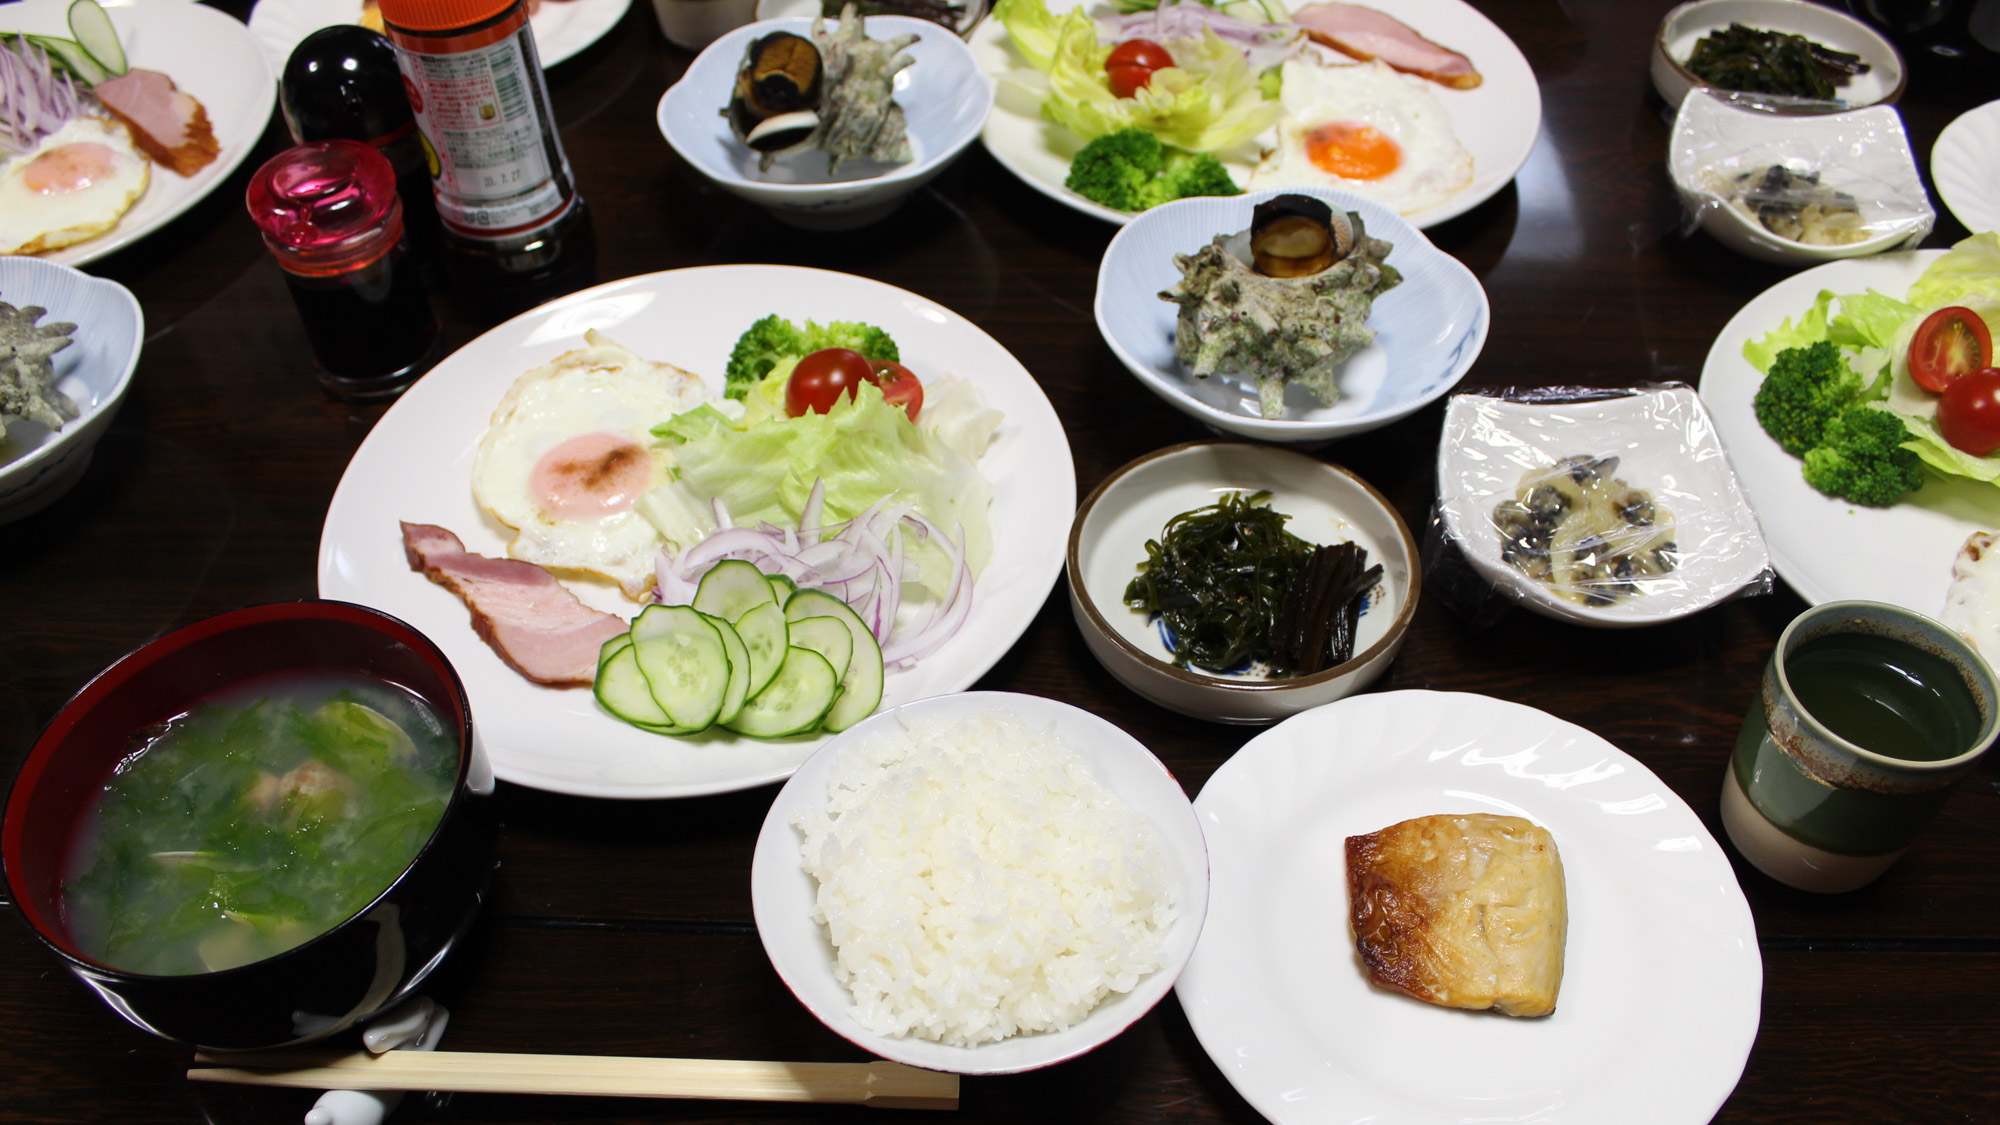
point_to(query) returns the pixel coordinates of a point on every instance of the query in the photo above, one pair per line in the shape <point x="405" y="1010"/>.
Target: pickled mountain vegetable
<point x="1772" y="62"/>
<point x="255" y="821"/>
<point x="1234" y="591"/>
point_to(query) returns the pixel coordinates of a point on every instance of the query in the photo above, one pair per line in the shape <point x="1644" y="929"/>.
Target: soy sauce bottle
<point x="515" y="228"/>
<point x="343" y="83"/>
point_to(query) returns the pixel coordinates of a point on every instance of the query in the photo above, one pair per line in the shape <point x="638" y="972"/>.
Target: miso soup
<point x="259" y="819"/>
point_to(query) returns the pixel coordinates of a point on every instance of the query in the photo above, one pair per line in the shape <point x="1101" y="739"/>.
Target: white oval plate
<point x="1826" y="548"/>
<point x="562" y="27"/>
<point x="1429" y="329"/>
<point x="783" y="895"/>
<point x="1497" y="121"/>
<point x="416" y="465"/>
<point x="1662" y="980"/>
<point x="1965" y="166"/>
<point x="207" y="53"/>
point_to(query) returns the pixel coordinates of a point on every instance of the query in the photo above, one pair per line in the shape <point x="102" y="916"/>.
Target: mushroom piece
<point x="775" y="106"/>
<point x="1298" y="236"/>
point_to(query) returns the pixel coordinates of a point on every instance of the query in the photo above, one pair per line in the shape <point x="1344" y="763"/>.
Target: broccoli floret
<point x="1862" y="459"/>
<point x="1805" y="390"/>
<point x="1131" y="170"/>
<point x="774" y="338"/>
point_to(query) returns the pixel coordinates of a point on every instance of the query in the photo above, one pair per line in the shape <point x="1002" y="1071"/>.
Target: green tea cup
<point x="1869" y="716"/>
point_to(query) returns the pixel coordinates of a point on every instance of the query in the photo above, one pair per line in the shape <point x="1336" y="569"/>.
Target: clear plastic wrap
<point x="1772" y="178"/>
<point x="1612" y="508"/>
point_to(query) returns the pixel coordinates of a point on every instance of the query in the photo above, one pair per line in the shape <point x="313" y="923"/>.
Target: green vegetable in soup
<point x="256" y="822"/>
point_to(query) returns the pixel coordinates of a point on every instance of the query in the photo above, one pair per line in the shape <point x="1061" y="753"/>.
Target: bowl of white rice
<point x="981" y="883"/>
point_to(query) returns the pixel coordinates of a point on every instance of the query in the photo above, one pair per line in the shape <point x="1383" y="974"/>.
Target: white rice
<point x="977" y="882"/>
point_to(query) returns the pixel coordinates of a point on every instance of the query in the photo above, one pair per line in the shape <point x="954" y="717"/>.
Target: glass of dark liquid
<point x="1868" y="717"/>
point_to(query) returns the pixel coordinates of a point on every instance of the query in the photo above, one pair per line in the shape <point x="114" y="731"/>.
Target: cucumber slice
<point x="827" y="636"/>
<point x="72" y="56"/>
<point x="622" y="689"/>
<point x="861" y="686"/>
<point x="765" y="635"/>
<point x="781" y="587"/>
<point x="93" y="31"/>
<point x="732" y="588"/>
<point x="794" y="702"/>
<point x="685" y="664"/>
<point x="739" y="670"/>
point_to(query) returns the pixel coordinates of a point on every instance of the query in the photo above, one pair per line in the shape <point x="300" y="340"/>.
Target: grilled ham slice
<point x="1364" y="33"/>
<point x="167" y="123"/>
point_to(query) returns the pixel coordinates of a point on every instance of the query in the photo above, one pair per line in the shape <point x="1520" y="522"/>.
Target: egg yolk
<point x="591" y="476"/>
<point x="1352" y="151"/>
<point x="71" y="167"/>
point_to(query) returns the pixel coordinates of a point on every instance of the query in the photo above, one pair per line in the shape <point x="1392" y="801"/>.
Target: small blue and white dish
<point x="1429" y="329"/>
<point x="37" y="464"/>
<point x="944" y="97"/>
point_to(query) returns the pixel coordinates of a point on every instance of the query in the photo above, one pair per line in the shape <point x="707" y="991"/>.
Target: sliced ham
<point x="531" y="620"/>
<point x="166" y="122"/>
<point x="1364" y="33"/>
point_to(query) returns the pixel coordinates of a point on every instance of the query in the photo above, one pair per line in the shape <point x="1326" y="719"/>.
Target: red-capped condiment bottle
<point x="515" y="228"/>
<point x="330" y="215"/>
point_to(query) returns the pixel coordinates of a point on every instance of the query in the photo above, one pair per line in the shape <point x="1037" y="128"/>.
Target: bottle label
<point x="481" y="107"/>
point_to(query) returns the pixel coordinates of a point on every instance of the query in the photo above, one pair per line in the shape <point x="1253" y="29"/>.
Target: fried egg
<point x="72" y="186"/>
<point x="569" y="451"/>
<point x="1368" y="130"/>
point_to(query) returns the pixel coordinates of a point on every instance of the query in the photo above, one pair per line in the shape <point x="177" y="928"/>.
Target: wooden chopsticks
<point x="880" y="1084"/>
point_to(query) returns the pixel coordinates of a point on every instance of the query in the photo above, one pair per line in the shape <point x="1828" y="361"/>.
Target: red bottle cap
<point x="326" y="207"/>
<point x="441" y="15"/>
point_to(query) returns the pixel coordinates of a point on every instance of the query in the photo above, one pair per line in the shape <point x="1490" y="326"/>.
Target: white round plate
<point x="1965" y="166"/>
<point x="783" y="895"/>
<point x="416" y="465"/>
<point x="207" y="53"/>
<point x="1428" y="329"/>
<point x="1497" y="121"/>
<point x="562" y="27"/>
<point x="1826" y="548"/>
<point x="1662" y="978"/>
<point x="1665" y="443"/>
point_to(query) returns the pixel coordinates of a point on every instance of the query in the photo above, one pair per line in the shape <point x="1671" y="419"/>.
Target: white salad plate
<point x="1665" y="443"/>
<point x="784" y="896"/>
<point x="1662" y="979"/>
<point x="1428" y="330"/>
<point x="562" y="27"/>
<point x="416" y="465"/>
<point x="207" y="53"/>
<point x="1965" y="166"/>
<point x="1826" y="548"/>
<point x="1497" y="121"/>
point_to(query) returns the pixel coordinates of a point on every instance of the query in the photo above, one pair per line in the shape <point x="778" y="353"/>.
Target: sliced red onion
<point x="1265" y="45"/>
<point x="35" y="101"/>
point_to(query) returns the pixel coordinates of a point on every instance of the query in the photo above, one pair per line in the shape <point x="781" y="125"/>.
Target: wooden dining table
<point x="626" y="927"/>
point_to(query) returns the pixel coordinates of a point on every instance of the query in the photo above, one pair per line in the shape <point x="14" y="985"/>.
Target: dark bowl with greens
<point x="258" y="830"/>
<point x="1801" y="56"/>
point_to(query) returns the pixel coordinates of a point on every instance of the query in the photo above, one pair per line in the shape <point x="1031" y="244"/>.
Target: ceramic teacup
<point x="1869" y="716"/>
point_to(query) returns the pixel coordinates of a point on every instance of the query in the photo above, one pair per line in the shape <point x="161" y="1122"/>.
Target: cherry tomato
<point x="822" y="377"/>
<point x="1968" y="412"/>
<point x="1132" y="64"/>
<point x="900" y="386"/>
<point x="1949" y="343"/>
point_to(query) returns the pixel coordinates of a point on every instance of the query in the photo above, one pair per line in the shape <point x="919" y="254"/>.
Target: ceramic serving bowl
<point x="358" y="968"/>
<point x="1429" y="329"/>
<point x="783" y="894"/>
<point x="1685" y="25"/>
<point x="1864" y="153"/>
<point x="944" y="96"/>
<point x="1326" y="503"/>
<point x="38" y="465"/>
<point x="1665" y="443"/>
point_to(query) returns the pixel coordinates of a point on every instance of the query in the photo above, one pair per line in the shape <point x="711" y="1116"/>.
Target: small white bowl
<point x="1863" y="152"/>
<point x="1665" y="443"/>
<point x="783" y="895"/>
<point x="1429" y="329"/>
<point x="943" y="95"/>
<point x="1686" y="24"/>
<point x="1326" y="503"/>
<point x="38" y="465"/>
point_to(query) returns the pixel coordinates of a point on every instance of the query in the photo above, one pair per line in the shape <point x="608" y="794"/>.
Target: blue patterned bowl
<point x="1428" y="330"/>
<point x="37" y="465"/>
